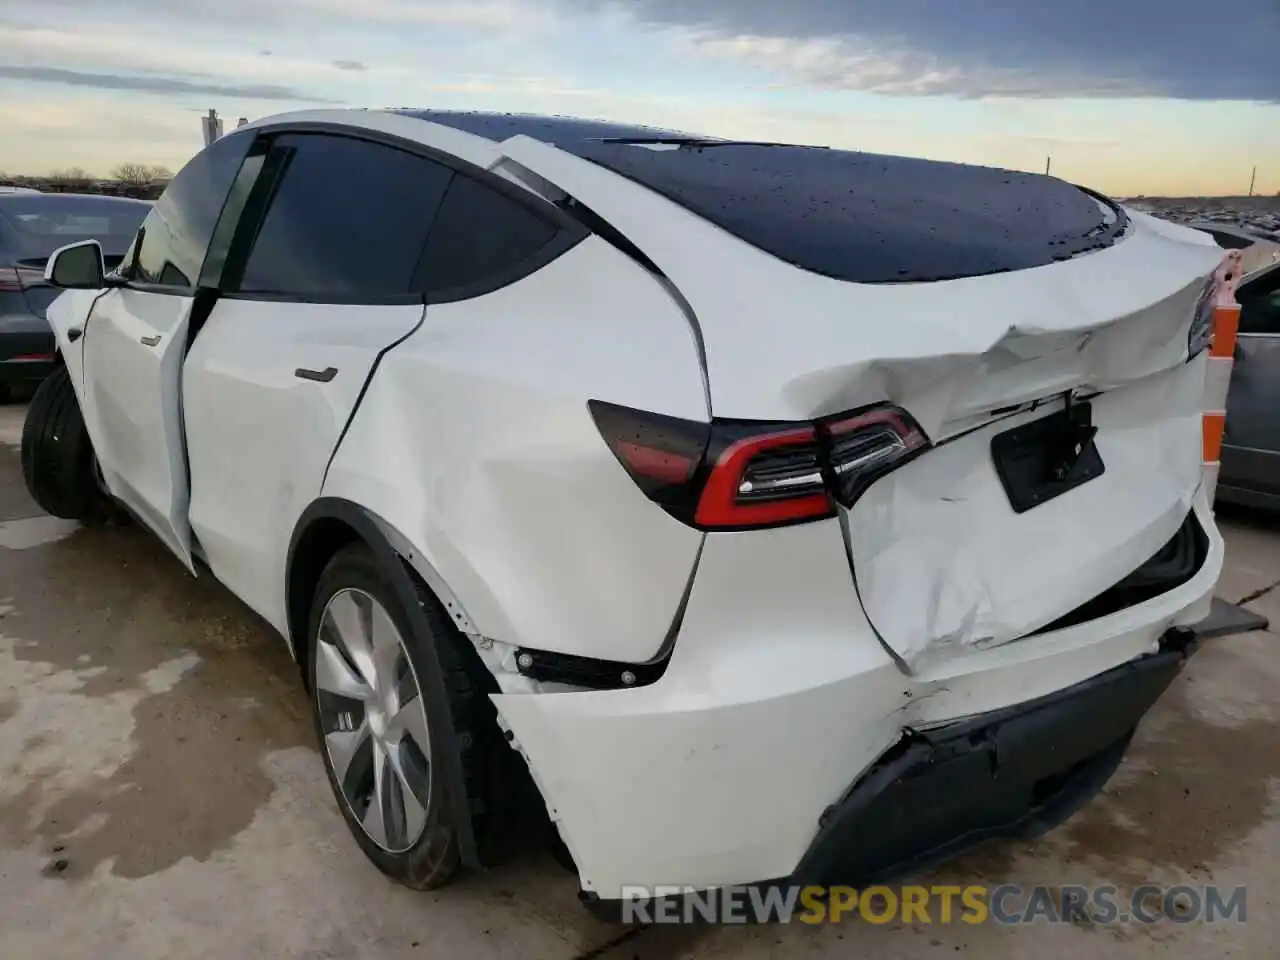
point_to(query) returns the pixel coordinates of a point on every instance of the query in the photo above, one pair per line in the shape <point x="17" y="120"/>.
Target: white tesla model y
<point x="761" y="511"/>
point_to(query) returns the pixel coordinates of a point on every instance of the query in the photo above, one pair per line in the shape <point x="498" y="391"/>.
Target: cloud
<point x="152" y="84"/>
<point x="74" y="126"/>
<point x="119" y="48"/>
<point x="1182" y="49"/>
<point x="237" y="14"/>
<point x="321" y="70"/>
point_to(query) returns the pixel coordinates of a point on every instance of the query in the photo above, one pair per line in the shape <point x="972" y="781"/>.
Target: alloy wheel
<point x="373" y="720"/>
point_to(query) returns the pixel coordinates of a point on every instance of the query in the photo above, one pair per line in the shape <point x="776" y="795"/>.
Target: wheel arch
<point x="325" y="527"/>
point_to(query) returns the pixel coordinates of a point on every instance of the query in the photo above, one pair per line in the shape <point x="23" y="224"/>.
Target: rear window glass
<point x="479" y="234"/>
<point x="52" y="221"/>
<point x="868" y="218"/>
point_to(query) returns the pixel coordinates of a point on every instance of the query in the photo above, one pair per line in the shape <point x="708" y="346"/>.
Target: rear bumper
<point x="25" y="370"/>
<point x="1011" y="774"/>
<point x="27" y="350"/>
<point x="777" y="697"/>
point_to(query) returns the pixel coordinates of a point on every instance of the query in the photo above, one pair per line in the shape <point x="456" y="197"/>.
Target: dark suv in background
<point x="32" y="226"/>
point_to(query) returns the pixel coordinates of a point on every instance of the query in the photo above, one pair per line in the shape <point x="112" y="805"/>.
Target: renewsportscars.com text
<point x="940" y="904"/>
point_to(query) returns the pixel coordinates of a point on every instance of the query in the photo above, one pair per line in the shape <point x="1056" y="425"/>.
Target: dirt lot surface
<point x="161" y="795"/>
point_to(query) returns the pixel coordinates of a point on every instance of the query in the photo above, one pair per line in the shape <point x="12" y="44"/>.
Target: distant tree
<point x="140" y="173"/>
<point x="69" y="179"/>
<point x="71" y="175"/>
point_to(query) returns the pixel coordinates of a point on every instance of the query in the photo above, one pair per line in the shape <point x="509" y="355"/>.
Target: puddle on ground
<point x="108" y="614"/>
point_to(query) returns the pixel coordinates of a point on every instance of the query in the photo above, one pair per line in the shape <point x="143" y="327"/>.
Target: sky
<point x="1155" y="97"/>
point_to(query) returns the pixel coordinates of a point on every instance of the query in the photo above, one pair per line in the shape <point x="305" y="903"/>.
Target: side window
<point x="172" y="241"/>
<point x="347" y="219"/>
<point x="1260" y="303"/>
<point x="479" y="235"/>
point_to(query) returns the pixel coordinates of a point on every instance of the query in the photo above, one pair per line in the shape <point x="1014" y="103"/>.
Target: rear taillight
<point x="865" y="445"/>
<point x="732" y="475"/>
<point x="17" y="279"/>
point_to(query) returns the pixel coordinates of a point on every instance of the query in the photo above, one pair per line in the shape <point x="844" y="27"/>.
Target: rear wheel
<point x="379" y="750"/>
<point x="57" y="456"/>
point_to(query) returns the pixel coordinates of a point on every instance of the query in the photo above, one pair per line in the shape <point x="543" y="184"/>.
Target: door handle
<point x="73" y="334"/>
<point x="151" y="341"/>
<point x="320" y="376"/>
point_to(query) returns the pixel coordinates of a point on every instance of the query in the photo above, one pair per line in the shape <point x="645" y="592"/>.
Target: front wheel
<point x="368" y="704"/>
<point x="57" y="456"/>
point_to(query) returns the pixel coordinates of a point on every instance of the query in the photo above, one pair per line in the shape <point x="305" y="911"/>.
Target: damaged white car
<point x="742" y="511"/>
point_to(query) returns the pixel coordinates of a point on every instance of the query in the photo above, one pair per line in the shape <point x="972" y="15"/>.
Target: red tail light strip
<point x="719" y="505"/>
<point x="17" y="279"/>
<point x="731" y="475"/>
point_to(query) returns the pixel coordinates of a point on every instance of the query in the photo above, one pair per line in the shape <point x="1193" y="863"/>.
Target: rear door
<point x="1251" y="446"/>
<point x="317" y="284"/>
<point x="135" y="340"/>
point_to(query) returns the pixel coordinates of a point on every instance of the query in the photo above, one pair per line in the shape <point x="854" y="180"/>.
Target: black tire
<point x="434" y="859"/>
<point x="57" y="455"/>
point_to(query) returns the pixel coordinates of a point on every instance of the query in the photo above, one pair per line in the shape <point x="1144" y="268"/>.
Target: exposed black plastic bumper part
<point x="1169" y="568"/>
<point x="1013" y="773"/>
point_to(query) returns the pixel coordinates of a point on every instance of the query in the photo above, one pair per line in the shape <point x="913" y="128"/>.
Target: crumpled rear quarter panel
<point x="475" y="443"/>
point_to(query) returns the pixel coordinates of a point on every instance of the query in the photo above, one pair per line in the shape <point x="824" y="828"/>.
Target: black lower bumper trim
<point x="1012" y="773"/>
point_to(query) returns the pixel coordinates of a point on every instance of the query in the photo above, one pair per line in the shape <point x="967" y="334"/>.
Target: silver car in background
<point x="1250" y="472"/>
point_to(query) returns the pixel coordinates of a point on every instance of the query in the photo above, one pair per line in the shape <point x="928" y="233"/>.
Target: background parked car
<point x="1250" y="472"/>
<point x="32" y="226"/>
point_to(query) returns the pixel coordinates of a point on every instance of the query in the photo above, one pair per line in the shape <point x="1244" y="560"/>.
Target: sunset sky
<point x="1129" y="96"/>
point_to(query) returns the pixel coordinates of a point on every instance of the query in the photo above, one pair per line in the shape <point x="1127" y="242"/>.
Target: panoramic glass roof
<point x="859" y="217"/>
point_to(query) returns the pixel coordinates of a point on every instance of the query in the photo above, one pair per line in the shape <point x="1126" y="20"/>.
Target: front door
<point x="136" y="340"/>
<point x="133" y="350"/>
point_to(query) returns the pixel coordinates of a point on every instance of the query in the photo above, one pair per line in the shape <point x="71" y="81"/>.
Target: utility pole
<point x="1253" y="178"/>
<point x="1048" y="160"/>
<point x="211" y="127"/>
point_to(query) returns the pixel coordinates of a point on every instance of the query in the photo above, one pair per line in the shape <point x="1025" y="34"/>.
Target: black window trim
<point x="194" y="288"/>
<point x="227" y="226"/>
<point x="569" y="233"/>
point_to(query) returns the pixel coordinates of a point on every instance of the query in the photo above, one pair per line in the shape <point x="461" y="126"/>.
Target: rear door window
<point x="175" y="236"/>
<point x="346" y="220"/>
<point x="481" y="240"/>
